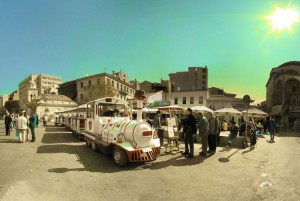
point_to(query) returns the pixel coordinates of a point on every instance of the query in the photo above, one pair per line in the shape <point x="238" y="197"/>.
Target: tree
<point x="12" y="106"/>
<point x="33" y="104"/>
<point x="99" y="91"/>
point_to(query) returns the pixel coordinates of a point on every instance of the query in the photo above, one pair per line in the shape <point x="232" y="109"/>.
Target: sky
<point x="147" y="39"/>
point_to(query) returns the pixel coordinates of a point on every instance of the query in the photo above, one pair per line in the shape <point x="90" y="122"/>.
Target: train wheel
<point x="94" y="147"/>
<point x="119" y="156"/>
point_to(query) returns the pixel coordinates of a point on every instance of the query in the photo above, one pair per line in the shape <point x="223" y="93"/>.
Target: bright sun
<point x="283" y="18"/>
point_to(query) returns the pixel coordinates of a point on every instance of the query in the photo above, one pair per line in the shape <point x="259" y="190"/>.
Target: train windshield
<point x="111" y="110"/>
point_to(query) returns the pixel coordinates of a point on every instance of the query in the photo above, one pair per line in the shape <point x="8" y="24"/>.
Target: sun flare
<point x="283" y="18"/>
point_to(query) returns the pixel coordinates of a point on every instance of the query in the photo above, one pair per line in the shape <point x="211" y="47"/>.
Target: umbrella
<point x="201" y="108"/>
<point x="227" y="110"/>
<point x="254" y="112"/>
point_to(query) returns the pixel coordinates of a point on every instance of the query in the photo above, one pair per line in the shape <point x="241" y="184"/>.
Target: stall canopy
<point x="201" y="108"/>
<point x="171" y="108"/>
<point x="254" y="112"/>
<point x="227" y="110"/>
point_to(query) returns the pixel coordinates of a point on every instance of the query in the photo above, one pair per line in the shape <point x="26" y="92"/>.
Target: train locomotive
<point x="109" y="129"/>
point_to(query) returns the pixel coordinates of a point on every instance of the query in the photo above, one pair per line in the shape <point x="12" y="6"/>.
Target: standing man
<point x="32" y="125"/>
<point x="22" y="127"/>
<point x="213" y="133"/>
<point x="203" y="132"/>
<point x="7" y="121"/>
<point x="158" y="128"/>
<point x="190" y="128"/>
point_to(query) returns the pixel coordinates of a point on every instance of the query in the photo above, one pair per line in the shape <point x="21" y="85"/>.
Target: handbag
<point x="17" y="133"/>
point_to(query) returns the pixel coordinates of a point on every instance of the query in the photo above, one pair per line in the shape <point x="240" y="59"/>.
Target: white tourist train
<point x="108" y="128"/>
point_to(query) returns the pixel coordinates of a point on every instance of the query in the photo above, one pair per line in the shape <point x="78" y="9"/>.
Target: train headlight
<point x="147" y="134"/>
<point x="120" y="137"/>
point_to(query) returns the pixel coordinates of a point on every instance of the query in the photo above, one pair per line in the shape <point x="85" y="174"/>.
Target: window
<point x="81" y="97"/>
<point x="184" y="100"/>
<point x="200" y="100"/>
<point x="294" y="102"/>
<point x="117" y="85"/>
<point x="90" y="83"/>
<point x="98" y="81"/>
<point x="81" y="84"/>
<point x="191" y="100"/>
<point x="175" y="100"/>
<point x="112" y="83"/>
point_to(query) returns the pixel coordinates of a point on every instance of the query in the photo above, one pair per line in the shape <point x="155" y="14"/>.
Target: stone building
<point x="35" y="85"/>
<point x="218" y="98"/>
<point x="3" y="99"/>
<point x="283" y="93"/>
<point x="95" y="86"/>
<point x="51" y="103"/>
<point x="195" y="79"/>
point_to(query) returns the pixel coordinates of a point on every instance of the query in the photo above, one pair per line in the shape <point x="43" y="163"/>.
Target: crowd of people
<point x="209" y="127"/>
<point x="22" y="123"/>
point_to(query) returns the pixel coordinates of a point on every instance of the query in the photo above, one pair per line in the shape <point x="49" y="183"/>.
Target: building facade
<point x="51" y="103"/>
<point x="116" y="84"/>
<point x="218" y="99"/>
<point x="68" y="89"/>
<point x="3" y="99"/>
<point x="283" y="93"/>
<point x="195" y="79"/>
<point x="35" y="85"/>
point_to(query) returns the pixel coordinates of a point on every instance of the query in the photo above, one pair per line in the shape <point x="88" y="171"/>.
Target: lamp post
<point x="247" y="101"/>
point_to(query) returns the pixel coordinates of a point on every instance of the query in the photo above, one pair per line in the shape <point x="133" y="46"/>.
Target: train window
<point x="90" y="111"/>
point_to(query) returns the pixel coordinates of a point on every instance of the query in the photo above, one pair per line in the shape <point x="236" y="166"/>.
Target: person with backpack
<point x="272" y="128"/>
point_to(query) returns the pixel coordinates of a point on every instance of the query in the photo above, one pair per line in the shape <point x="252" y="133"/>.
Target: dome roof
<point x="31" y="82"/>
<point x="290" y="63"/>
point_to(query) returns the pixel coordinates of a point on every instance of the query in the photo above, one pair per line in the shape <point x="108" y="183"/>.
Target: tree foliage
<point x="99" y="91"/>
<point x="32" y="105"/>
<point x="12" y="106"/>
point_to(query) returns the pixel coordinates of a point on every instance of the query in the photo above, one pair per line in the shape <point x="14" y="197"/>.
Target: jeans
<point x="189" y="141"/>
<point x="32" y="133"/>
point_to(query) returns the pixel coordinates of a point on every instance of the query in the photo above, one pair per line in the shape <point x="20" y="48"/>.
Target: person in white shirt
<point x="22" y="127"/>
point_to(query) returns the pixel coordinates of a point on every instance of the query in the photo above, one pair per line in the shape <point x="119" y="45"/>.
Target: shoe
<point x="189" y="156"/>
<point x="211" y="152"/>
<point x="27" y="139"/>
<point x="185" y="153"/>
<point x="32" y="140"/>
<point x="202" y="154"/>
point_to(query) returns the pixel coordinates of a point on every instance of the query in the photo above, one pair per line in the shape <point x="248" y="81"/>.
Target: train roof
<point x="110" y="100"/>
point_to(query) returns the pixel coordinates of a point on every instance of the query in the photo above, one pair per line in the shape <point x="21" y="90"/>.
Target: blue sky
<point x="147" y="39"/>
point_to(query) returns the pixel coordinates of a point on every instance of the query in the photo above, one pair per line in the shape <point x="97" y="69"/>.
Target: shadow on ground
<point x="91" y="161"/>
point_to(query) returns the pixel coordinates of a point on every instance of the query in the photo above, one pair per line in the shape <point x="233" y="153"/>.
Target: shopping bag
<point x="17" y="133"/>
